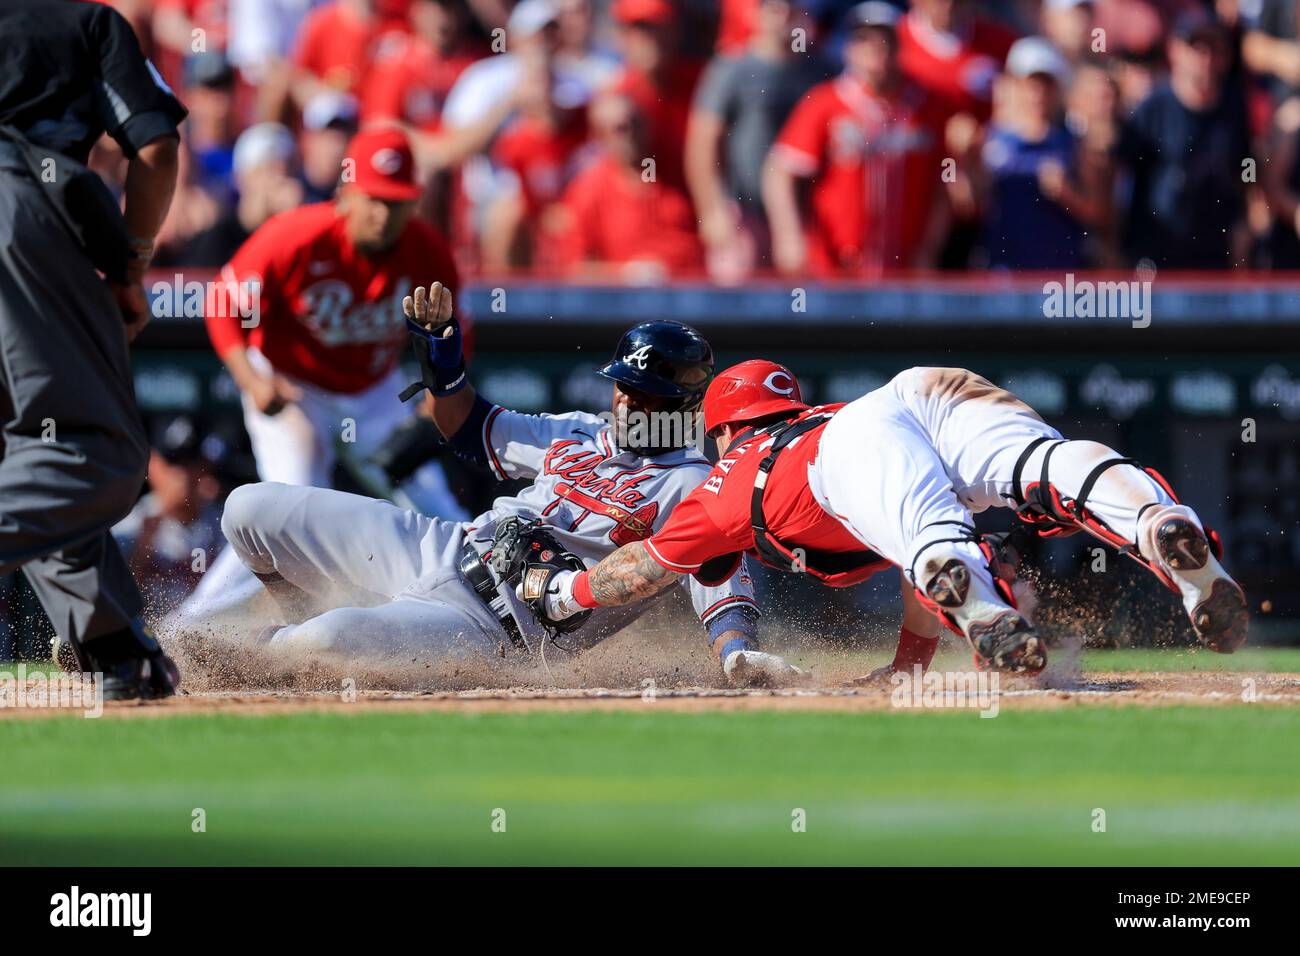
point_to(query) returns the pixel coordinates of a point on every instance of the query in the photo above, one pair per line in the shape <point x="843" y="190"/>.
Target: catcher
<point x="843" y="491"/>
<point x="363" y="577"/>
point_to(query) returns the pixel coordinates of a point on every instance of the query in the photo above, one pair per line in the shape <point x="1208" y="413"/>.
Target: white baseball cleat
<point x="1214" y="602"/>
<point x="1001" y="637"/>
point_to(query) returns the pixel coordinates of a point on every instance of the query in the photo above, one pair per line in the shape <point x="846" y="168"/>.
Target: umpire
<point x="75" y="450"/>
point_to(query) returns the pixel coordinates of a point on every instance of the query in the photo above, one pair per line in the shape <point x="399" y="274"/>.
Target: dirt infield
<point x="1108" y="690"/>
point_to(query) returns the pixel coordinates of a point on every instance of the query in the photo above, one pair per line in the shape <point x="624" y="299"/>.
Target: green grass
<point x="1178" y="785"/>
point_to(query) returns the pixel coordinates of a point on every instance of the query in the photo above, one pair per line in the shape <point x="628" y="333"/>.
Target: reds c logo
<point x="639" y="357"/>
<point x="771" y="383"/>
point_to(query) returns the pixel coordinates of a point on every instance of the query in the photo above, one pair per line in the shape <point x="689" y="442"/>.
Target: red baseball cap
<point x="385" y="167"/>
<point x="643" y="11"/>
<point x="749" y="391"/>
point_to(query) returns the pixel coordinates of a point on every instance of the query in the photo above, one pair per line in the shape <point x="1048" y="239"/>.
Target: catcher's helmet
<point x="749" y="391"/>
<point x="663" y="358"/>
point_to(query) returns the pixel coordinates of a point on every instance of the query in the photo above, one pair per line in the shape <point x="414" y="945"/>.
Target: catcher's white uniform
<point x="389" y="578"/>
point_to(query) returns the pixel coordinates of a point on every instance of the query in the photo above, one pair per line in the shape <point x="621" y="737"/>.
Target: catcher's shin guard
<point x="1041" y="505"/>
<point x="1001" y="637"/>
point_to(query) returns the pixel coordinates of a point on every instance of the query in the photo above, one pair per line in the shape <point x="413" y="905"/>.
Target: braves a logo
<point x="639" y="357"/>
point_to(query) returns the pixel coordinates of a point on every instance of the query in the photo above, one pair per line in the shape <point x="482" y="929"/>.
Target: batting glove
<point x="760" y="669"/>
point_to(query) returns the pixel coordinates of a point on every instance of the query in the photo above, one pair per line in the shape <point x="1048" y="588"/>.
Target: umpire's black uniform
<point x="75" y="451"/>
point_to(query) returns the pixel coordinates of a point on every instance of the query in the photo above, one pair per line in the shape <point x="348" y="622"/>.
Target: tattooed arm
<point x="627" y="575"/>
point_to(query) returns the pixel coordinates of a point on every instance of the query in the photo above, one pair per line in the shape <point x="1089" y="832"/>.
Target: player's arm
<point x="795" y="156"/>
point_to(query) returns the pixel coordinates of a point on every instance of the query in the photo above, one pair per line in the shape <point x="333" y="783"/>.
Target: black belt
<point x="485" y="586"/>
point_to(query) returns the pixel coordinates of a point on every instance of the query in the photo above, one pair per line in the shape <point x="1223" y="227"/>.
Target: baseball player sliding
<point x="363" y="577"/>
<point x="842" y="491"/>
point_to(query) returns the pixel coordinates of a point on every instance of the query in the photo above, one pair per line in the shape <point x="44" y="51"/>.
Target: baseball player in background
<point x="842" y="491"/>
<point x="310" y="327"/>
<point x="363" y="577"/>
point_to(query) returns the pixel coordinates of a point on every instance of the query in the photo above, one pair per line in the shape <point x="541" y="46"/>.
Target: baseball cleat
<point x="1001" y="637"/>
<point x="1214" y="602"/>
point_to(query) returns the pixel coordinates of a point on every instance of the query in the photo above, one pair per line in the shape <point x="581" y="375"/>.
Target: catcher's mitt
<point x="527" y="551"/>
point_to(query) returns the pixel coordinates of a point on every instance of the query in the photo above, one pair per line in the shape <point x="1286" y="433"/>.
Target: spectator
<point x="413" y="72"/>
<point x="533" y="30"/>
<point x="1038" y="199"/>
<point x="1184" y="148"/>
<point x="193" y="210"/>
<point x="658" y="78"/>
<point x="328" y="123"/>
<point x="1069" y="24"/>
<point x="266" y="162"/>
<point x="870" y="143"/>
<point x="263" y="35"/>
<point x="538" y="153"/>
<point x="212" y="124"/>
<point x="1282" y="187"/>
<point x="174" y="531"/>
<point x="577" y="50"/>
<point x="336" y="44"/>
<point x="740" y="106"/>
<point x="952" y="53"/>
<point x="1270" y="46"/>
<point x="618" y="220"/>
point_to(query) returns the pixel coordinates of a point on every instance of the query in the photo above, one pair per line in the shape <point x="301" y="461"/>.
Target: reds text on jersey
<point x="327" y="314"/>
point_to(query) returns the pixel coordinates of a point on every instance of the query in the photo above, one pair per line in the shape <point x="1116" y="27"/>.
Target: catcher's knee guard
<point x="1041" y="505"/>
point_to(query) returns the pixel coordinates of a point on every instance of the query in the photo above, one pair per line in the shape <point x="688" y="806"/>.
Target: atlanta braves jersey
<point x="595" y="496"/>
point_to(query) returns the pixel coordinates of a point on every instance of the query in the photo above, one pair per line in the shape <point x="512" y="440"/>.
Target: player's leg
<point x="317" y="548"/>
<point x="293" y="446"/>
<point x="404" y="629"/>
<point x="1000" y="453"/>
<point x="878" y="473"/>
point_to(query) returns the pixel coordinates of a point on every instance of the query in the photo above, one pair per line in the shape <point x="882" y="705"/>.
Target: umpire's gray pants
<point x="75" y="451"/>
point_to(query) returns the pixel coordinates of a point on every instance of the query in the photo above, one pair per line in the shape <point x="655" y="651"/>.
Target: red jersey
<point x="712" y="525"/>
<point x="409" y="80"/>
<point x="336" y="45"/>
<point x="958" y="69"/>
<point x="328" y="315"/>
<point x="666" y="109"/>
<point x="615" y="216"/>
<point x="541" y="156"/>
<point x="874" y="161"/>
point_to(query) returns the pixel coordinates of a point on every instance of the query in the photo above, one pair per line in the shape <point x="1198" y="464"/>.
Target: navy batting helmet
<point x="663" y="358"/>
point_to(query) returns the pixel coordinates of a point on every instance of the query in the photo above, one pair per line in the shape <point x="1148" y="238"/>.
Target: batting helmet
<point x="663" y="358"/>
<point x="749" y="391"/>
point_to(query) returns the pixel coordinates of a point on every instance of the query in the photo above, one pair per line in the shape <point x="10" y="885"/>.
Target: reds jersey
<point x="596" y="498"/>
<point x="329" y="315"/>
<point x="713" y="527"/>
<point x="874" y="165"/>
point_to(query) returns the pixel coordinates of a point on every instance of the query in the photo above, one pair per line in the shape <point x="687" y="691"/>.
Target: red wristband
<point x="914" y="649"/>
<point x="582" y="591"/>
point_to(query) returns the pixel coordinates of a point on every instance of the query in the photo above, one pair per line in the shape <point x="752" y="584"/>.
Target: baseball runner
<point x="310" y="326"/>
<point x="363" y="577"/>
<point x="843" y="491"/>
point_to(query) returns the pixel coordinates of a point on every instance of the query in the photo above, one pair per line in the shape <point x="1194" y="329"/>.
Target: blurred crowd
<point x="638" y="139"/>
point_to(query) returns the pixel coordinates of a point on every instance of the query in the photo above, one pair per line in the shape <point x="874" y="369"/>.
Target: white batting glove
<point x="760" y="669"/>
<point x="558" y="602"/>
